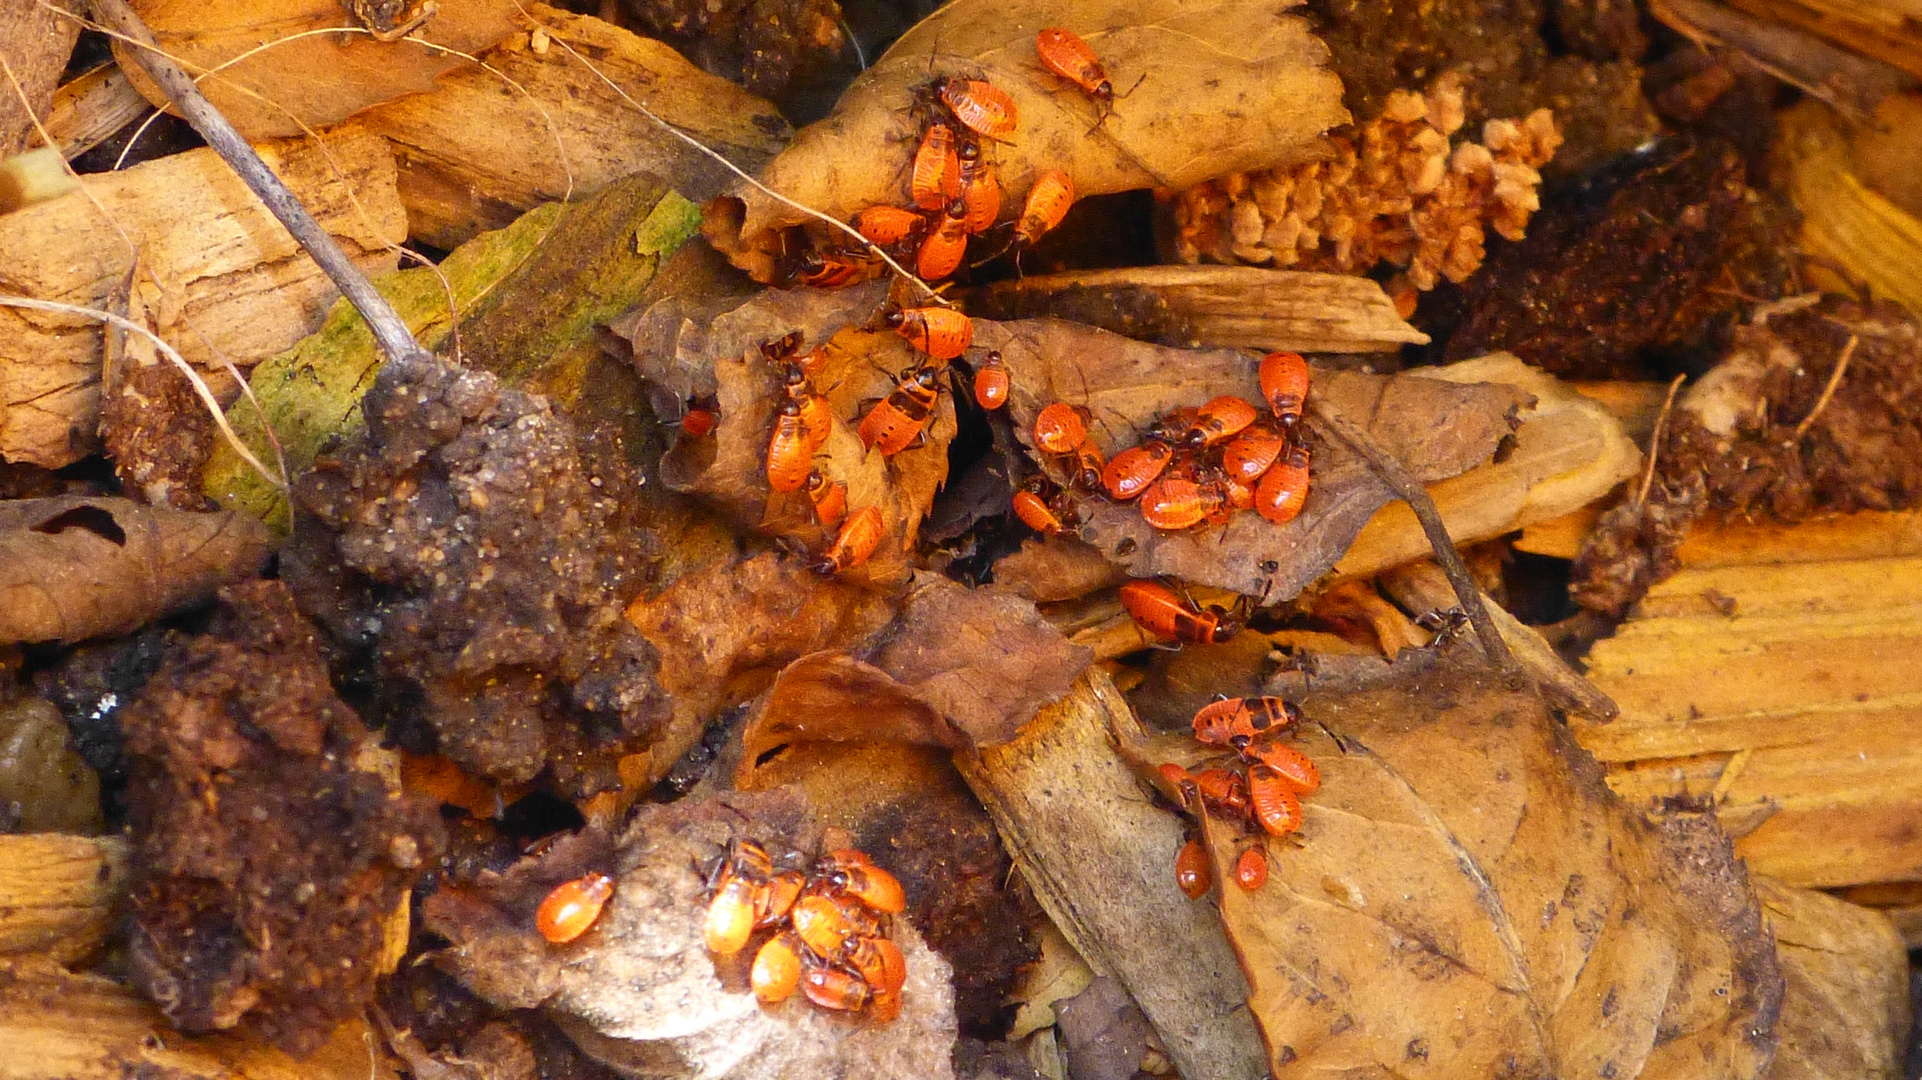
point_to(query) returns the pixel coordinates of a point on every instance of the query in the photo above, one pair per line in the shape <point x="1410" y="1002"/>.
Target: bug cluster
<point x="828" y="927"/>
<point x="804" y="420"/>
<point x="953" y="193"/>
<point x="1197" y="465"/>
<point x="1260" y="788"/>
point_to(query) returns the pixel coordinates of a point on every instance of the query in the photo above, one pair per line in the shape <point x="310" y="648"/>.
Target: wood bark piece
<point x="73" y="568"/>
<point x="475" y="152"/>
<point x="92" y="107"/>
<point x="1838" y="75"/>
<point x="1883" y="29"/>
<point x="529" y="298"/>
<point x="57" y="893"/>
<point x="55" y="1025"/>
<point x="1845" y="1006"/>
<point x="1785" y="691"/>
<point x="1233" y="306"/>
<point x="219" y="277"/>
<point x="1568" y="452"/>
<point x="1100" y="858"/>
<point x="35" y="39"/>
<point x="1843" y="219"/>
<point x="314" y="80"/>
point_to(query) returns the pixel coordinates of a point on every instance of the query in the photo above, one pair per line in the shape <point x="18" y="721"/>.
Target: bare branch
<point x="1410" y="491"/>
<point x="395" y="340"/>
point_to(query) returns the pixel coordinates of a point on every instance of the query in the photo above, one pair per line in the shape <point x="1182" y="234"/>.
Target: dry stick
<point x="395" y="340"/>
<point x="1655" y="442"/>
<point x="1835" y="379"/>
<point x="1410" y="490"/>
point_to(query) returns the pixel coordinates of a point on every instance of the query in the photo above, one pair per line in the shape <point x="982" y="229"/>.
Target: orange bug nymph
<point x="1156" y="609"/>
<point x="1064" y="53"/>
<point x="573" y="907"/>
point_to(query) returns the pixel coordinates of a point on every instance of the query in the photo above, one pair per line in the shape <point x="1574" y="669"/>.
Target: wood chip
<point x="1806" y="665"/>
<point x="1230" y="306"/>
<point x="57" y="893"/>
<point x="219" y="274"/>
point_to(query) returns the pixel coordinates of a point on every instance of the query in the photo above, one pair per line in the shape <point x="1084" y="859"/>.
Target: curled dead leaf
<point x="959" y="668"/>
<point x="727" y="622"/>
<point x="701" y="355"/>
<point x="1210" y="89"/>
<point x="1435" y="428"/>
<point x="73" y="568"/>
<point x="1467" y="893"/>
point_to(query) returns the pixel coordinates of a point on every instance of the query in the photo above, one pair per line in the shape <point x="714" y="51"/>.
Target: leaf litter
<point x="1210" y="88"/>
<point x="1435" y="428"/>
<point x="687" y="355"/>
<point x="1466" y="898"/>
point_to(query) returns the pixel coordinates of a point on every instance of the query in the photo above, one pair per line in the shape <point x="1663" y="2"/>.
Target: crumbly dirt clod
<point x="1737" y="445"/>
<point x="158" y="435"/>
<point x="270" y="856"/>
<point x="763" y="43"/>
<point x="1397" y="189"/>
<point x="1498" y="47"/>
<point x="469" y="558"/>
<point x="1651" y="261"/>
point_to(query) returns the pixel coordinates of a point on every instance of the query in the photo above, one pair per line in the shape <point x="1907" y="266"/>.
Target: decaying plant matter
<point x="1395" y="189"/>
<point x="679" y="649"/>
<point x="1464" y="850"/>
<point x="1813" y="411"/>
<point x="273" y="849"/>
<point x="472" y="553"/>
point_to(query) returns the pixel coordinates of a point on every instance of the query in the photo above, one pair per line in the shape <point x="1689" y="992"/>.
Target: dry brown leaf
<point x="832" y="697"/>
<point x="1051" y="568"/>
<point x="726" y="622"/>
<point x="641" y="988"/>
<point x="988" y="661"/>
<point x="1216" y="87"/>
<point x="1436" y="429"/>
<point x="1467" y="899"/>
<point x="73" y="568"/>
<point x="959" y="668"/>
<point x="1845" y="1010"/>
<point x="688" y="354"/>
<point x="314" y="80"/>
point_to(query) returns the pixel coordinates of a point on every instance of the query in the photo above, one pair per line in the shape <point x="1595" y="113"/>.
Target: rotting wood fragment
<point x="222" y="277"/>
<point x="473" y="157"/>
<point x="58" y="893"/>
<point x="1801" y="670"/>
<point x="1227" y="306"/>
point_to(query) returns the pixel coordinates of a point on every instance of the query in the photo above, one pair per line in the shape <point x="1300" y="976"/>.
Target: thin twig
<point x="1410" y="490"/>
<point x="1655" y="442"/>
<point x="1835" y="379"/>
<point x="200" y="387"/>
<point x="395" y="340"/>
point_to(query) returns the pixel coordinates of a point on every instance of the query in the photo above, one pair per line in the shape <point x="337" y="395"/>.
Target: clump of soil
<point x="763" y="43"/>
<point x="270" y="855"/>
<point x="1381" y="46"/>
<point x="469" y="558"/>
<point x="1774" y="432"/>
<point x="1652" y="259"/>
<point x="158" y="435"/>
